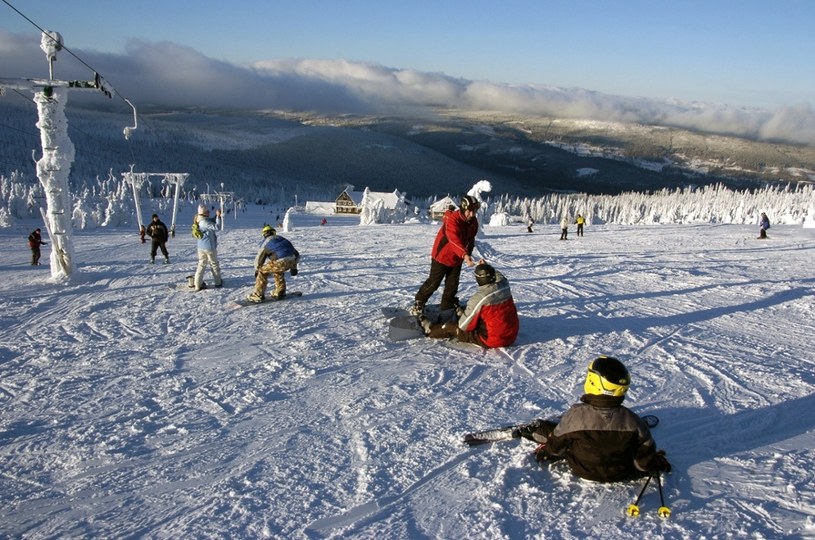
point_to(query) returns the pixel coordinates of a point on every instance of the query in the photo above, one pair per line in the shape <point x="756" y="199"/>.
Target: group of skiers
<point x="580" y="221"/>
<point x="490" y="318"/>
<point x="599" y="438"/>
<point x="275" y="257"/>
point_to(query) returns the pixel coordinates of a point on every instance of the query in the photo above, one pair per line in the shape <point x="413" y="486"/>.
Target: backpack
<point x="196" y="232"/>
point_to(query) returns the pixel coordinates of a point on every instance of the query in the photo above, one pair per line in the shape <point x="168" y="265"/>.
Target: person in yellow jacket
<point x="580" y="222"/>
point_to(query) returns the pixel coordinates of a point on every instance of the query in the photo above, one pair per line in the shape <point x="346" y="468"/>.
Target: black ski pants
<point x="439" y="272"/>
<point x="155" y="246"/>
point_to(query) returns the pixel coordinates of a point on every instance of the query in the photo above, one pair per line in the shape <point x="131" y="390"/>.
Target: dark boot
<point x="442" y="331"/>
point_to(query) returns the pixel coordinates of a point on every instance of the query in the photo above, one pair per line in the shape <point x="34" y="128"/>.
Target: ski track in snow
<point x="134" y="410"/>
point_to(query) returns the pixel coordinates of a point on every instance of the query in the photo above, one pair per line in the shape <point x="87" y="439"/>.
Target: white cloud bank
<point x="172" y="75"/>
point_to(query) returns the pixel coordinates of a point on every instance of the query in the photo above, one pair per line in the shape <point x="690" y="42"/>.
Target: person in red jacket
<point x="453" y="246"/>
<point x="490" y="318"/>
<point x="34" y="242"/>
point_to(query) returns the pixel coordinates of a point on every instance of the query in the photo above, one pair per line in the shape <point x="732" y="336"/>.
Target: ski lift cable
<point x="127" y="130"/>
<point x="62" y="46"/>
<point x="25" y="131"/>
<point x="25" y="97"/>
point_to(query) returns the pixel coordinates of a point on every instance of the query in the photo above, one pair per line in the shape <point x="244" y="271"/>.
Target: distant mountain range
<point x="277" y="155"/>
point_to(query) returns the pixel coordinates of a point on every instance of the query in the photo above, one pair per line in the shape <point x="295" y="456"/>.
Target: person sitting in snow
<point x="282" y="257"/>
<point x="490" y="318"/>
<point x="764" y="224"/>
<point x="599" y="438"/>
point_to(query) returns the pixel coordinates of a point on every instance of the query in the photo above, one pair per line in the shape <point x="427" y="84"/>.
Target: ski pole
<point x="664" y="511"/>
<point x="633" y="509"/>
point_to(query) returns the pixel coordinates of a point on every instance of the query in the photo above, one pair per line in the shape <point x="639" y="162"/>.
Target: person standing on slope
<point x="207" y="249"/>
<point x="490" y="318"/>
<point x="281" y="256"/>
<point x="763" y="224"/>
<point x="453" y="246"/>
<point x="564" y="228"/>
<point x="157" y="231"/>
<point x="34" y="242"/>
<point x="599" y="438"/>
<point x="580" y="221"/>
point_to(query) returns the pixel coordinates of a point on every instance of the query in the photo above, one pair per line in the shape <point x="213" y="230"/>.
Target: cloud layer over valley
<point x="166" y="74"/>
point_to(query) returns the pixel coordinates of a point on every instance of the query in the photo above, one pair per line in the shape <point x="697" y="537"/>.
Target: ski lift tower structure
<point x="58" y="152"/>
<point x="137" y="180"/>
<point x="222" y="197"/>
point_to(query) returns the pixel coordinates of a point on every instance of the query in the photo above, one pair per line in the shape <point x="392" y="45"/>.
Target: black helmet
<point x="484" y="274"/>
<point x="607" y="376"/>
<point x="469" y="202"/>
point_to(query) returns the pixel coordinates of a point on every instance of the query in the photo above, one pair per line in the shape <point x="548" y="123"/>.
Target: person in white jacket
<point x="564" y="228"/>
<point x="207" y="249"/>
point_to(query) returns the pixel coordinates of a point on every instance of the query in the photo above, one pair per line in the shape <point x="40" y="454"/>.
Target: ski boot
<point x="425" y="323"/>
<point x="417" y="309"/>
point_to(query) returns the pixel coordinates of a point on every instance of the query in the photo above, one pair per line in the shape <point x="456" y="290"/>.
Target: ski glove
<point x="293" y="271"/>
<point x="544" y="457"/>
<point x="659" y="463"/>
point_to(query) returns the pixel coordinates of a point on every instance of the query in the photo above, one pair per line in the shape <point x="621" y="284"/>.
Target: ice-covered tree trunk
<point x="53" y="170"/>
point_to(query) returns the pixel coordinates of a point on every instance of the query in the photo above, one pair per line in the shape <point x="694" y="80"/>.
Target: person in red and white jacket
<point x="453" y="246"/>
<point x="490" y="318"/>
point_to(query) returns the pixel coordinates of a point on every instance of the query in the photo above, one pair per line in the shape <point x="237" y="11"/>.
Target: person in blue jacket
<point x="276" y="256"/>
<point x="207" y="249"/>
<point x="764" y="224"/>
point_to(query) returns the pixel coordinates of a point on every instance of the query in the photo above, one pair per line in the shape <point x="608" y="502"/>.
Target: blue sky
<point x="740" y="52"/>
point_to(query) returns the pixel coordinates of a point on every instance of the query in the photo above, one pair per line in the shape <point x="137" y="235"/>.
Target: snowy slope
<point x="131" y="410"/>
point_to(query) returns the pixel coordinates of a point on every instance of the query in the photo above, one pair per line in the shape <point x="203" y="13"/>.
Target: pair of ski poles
<point x="664" y="512"/>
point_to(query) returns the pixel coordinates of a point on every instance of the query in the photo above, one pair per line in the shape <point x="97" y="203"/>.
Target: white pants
<point x="207" y="258"/>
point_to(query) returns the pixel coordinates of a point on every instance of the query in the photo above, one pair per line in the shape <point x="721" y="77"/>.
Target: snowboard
<point x="512" y="431"/>
<point x="185" y="287"/>
<point x="403" y="326"/>
<point x="268" y="300"/>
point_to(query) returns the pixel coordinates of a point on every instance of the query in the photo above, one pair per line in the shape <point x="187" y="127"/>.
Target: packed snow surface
<point x="133" y="410"/>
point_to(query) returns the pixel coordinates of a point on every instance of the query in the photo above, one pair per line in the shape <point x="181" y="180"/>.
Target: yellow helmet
<point x="268" y="230"/>
<point x="607" y="376"/>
